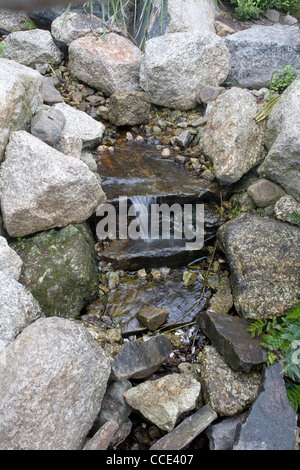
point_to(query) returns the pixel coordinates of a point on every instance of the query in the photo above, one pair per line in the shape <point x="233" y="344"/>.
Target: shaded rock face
<point x="176" y="66"/>
<point x="18" y="309"/>
<point x="226" y="391"/>
<point x="60" y="269"/>
<point x="271" y="423"/>
<point x="110" y="66"/>
<point x="257" y="52"/>
<point x="282" y="139"/>
<point x="20" y="98"/>
<point x="37" y="191"/>
<point x="262" y="253"/>
<point x="53" y="379"/>
<point x="232" y="139"/>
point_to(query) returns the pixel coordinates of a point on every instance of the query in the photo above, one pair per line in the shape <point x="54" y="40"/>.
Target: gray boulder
<point x="257" y="52"/>
<point x="18" y="309"/>
<point x="13" y="20"/>
<point x="60" y="269"/>
<point x="37" y="190"/>
<point x="53" y="379"/>
<point x="271" y="423"/>
<point x="232" y="139"/>
<point x="47" y="125"/>
<point x="177" y="66"/>
<point x="33" y="48"/>
<point x="282" y="140"/>
<point x="264" y="261"/>
<point x="75" y="25"/>
<point x="20" y="98"/>
<point x="10" y="262"/>
<point x="111" y="65"/>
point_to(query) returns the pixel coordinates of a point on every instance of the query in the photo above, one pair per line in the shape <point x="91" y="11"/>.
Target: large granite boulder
<point x="10" y="262"/>
<point x="20" y="98"/>
<point x="264" y="260"/>
<point x="44" y="189"/>
<point x="60" y="269"/>
<point x="232" y="139"/>
<point x="257" y="52"/>
<point x="282" y="140"/>
<point x="53" y="379"/>
<point x="177" y="66"/>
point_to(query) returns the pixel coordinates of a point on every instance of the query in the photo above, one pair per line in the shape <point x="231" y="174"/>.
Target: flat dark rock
<point x="231" y="339"/>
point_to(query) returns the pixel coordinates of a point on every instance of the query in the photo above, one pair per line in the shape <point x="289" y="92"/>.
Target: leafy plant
<point x="293" y="393"/>
<point x="30" y="24"/>
<point x="251" y="9"/>
<point x="295" y="218"/>
<point x="2" y="47"/>
<point x="281" y="80"/>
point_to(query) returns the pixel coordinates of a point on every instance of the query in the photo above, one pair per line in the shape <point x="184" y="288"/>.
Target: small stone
<point x="287" y="207"/>
<point x="166" y="152"/>
<point x="290" y="20"/>
<point x="129" y="136"/>
<point x="200" y="122"/>
<point x="222" y="29"/>
<point x="152" y="317"/>
<point x="113" y="280"/>
<point x="221" y="435"/>
<point x="156" y="130"/>
<point x="102" y="439"/>
<point x="208" y="175"/>
<point x="180" y="159"/>
<point x="189" y="278"/>
<point x="69" y="144"/>
<point x="142" y="273"/>
<point x="265" y="192"/>
<point x="208" y="94"/>
<point x="184" y="139"/>
<point x="47" y="125"/>
<point x="156" y="273"/>
<point x="272" y="15"/>
<point x="50" y="94"/>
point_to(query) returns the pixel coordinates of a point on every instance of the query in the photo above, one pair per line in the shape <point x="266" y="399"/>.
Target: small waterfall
<point x="141" y="207"/>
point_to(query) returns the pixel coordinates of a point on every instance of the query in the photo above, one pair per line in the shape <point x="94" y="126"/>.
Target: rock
<point x="10" y="262"/>
<point x="232" y="139"/>
<point x="264" y="192"/>
<point x="186" y="431"/>
<point x="164" y="400"/>
<point x="209" y="93"/>
<point x="103" y="112"/>
<point x="189" y="278"/>
<point x="89" y="160"/>
<point x="139" y="360"/>
<point x="111" y="65"/>
<point x="47" y="125"/>
<point x="257" y="52"/>
<point x="285" y="208"/>
<point x="32" y="48"/>
<point x="122" y="433"/>
<point x="290" y="20"/>
<point x="114" y="406"/>
<point x="50" y="94"/>
<point x="74" y="26"/>
<point x="200" y="122"/>
<point x="183" y="139"/>
<point x="264" y="263"/>
<point x="53" y="380"/>
<point x="69" y="144"/>
<point x="78" y="122"/>
<point x="18" y="309"/>
<point x="130" y="108"/>
<point x="222" y="301"/>
<point x="165" y="153"/>
<point x="102" y="439"/>
<point x="282" y="140"/>
<point x="176" y="66"/>
<point x="221" y="435"/>
<point x="60" y="269"/>
<point x="196" y="15"/>
<point x="271" y="423"/>
<point x="46" y="179"/>
<point x="229" y="335"/>
<point x="226" y="391"/>
<point x="222" y="29"/>
<point x="20" y="98"/>
<point x="152" y="317"/>
<point x="272" y="15"/>
<point x="13" y="20"/>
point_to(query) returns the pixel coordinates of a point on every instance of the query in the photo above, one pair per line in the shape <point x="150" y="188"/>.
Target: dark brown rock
<point x="153" y="317"/>
<point x="264" y="192"/>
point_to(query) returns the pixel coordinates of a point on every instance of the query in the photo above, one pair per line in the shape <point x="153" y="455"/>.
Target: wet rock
<point x="77" y="122"/>
<point x="47" y="180"/>
<point x="60" y="269"/>
<point x="111" y="65"/>
<point x="183" y="139"/>
<point x="285" y="207"/>
<point x="20" y="98"/>
<point x="130" y="108"/>
<point x="18" y="309"/>
<point x="50" y="94"/>
<point x="74" y="26"/>
<point x="222" y="435"/>
<point x="232" y="139"/>
<point x="282" y="140"/>
<point x="271" y="423"/>
<point x="186" y="431"/>
<point x="172" y="77"/>
<point x="264" y="262"/>
<point x="189" y="278"/>
<point x="47" y="125"/>
<point x="222" y="301"/>
<point x="226" y="391"/>
<point x="53" y="379"/>
<point x="256" y="52"/>
<point x="139" y="360"/>
<point x="264" y="192"/>
<point x="231" y="339"/>
<point x="10" y="262"/>
<point x="32" y="48"/>
<point x="164" y="400"/>
<point x="152" y="317"/>
<point x="102" y="439"/>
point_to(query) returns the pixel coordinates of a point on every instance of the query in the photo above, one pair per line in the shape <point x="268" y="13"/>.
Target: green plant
<point x="246" y="9"/>
<point x="281" y="80"/>
<point x="295" y="218"/>
<point x="293" y="393"/>
<point x="30" y="24"/>
<point x="2" y="47"/>
<point x="251" y="9"/>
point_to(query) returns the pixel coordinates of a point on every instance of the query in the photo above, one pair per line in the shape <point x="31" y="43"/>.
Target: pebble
<point x="166" y="152"/>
